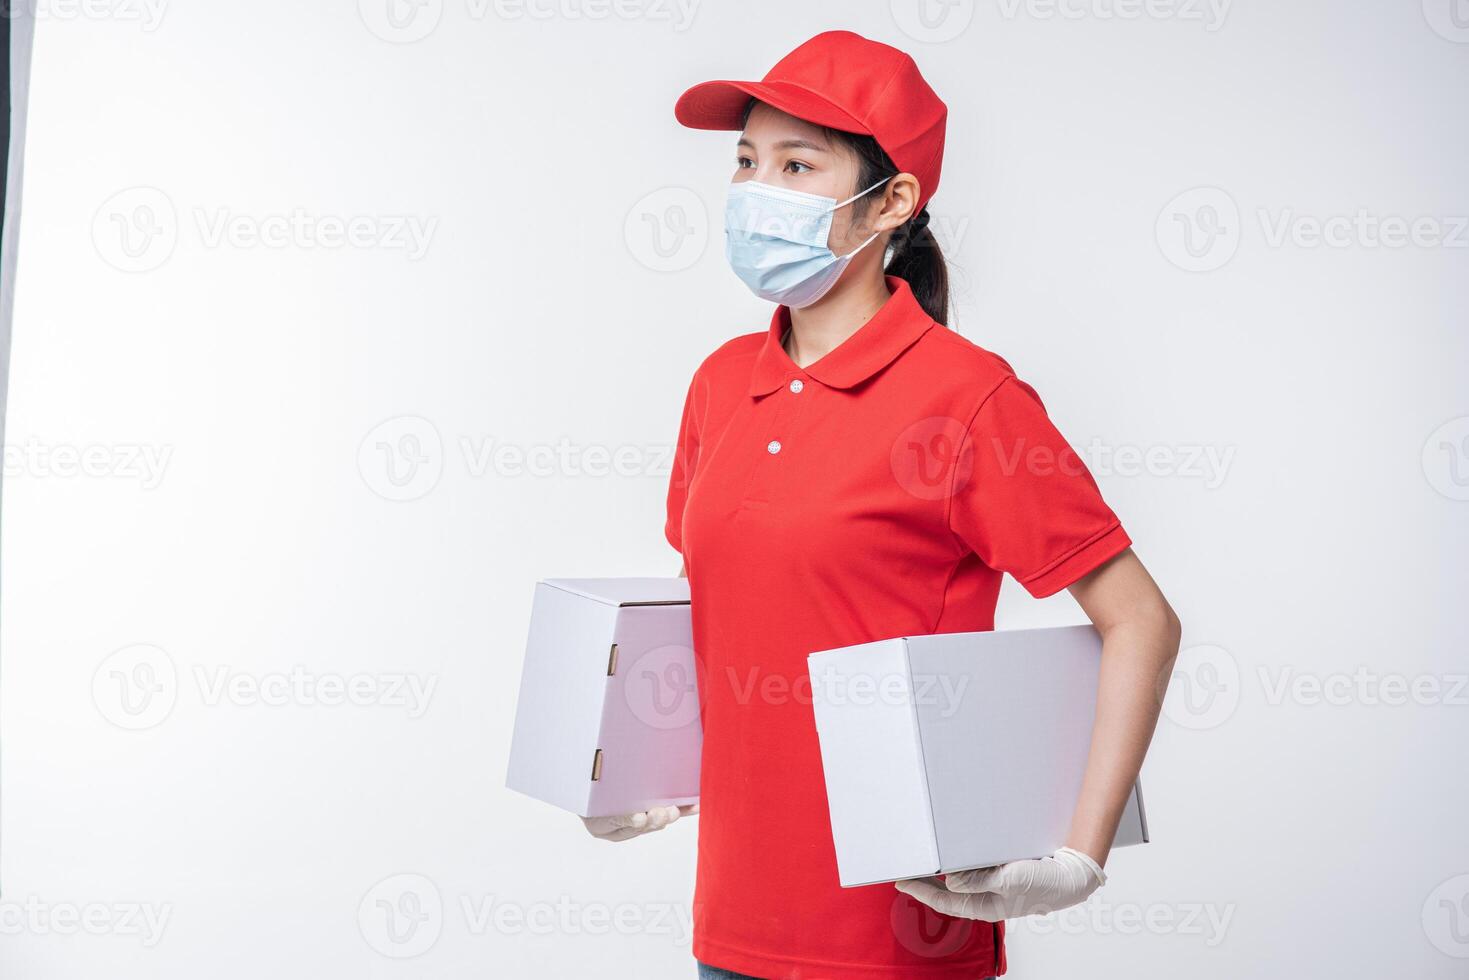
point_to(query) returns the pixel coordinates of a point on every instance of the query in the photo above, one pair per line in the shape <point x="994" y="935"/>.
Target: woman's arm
<point x="1140" y="636"/>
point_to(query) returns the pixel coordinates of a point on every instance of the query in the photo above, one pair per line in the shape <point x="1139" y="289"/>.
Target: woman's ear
<point x="899" y="203"/>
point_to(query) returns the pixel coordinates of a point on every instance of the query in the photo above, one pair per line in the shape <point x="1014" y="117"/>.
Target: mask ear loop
<point x="841" y="204"/>
<point x="849" y="201"/>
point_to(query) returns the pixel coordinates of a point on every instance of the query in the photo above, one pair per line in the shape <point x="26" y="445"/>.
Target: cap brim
<point x="720" y="104"/>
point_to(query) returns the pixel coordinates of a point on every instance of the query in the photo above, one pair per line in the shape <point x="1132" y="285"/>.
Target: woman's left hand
<point x="1007" y="891"/>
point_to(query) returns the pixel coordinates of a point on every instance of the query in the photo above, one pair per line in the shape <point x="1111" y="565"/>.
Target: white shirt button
<point x="773" y="447"/>
<point x="796" y="386"/>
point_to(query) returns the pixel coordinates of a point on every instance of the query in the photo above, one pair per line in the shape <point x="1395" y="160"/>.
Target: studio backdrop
<point x="340" y="325"/>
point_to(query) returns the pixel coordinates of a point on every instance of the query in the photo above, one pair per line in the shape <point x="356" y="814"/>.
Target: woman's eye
<point x="802" y="167"/>
<point x="744" y="163"/>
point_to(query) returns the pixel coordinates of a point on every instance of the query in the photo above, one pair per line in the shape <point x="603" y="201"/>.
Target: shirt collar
<point x="893" y="328"/>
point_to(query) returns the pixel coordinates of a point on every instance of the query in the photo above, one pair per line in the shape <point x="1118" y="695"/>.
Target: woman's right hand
<point x="637" y="824"/>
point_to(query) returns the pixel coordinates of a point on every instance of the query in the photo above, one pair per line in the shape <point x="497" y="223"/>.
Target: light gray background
<point x="229" y="459"/>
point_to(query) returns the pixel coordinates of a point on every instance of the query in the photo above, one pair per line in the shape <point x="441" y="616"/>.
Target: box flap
<point x="626" y="591"/>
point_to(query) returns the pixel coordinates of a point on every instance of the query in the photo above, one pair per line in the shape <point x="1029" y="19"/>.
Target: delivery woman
<point x="858" y="471"/>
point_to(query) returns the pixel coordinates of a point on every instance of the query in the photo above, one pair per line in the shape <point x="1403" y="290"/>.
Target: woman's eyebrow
<point x="790" y="144"/>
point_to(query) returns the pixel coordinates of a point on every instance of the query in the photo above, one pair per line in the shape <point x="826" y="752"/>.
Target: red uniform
<point x="880" y="491"/>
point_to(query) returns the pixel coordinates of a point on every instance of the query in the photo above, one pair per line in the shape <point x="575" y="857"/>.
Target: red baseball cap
<point x="845" y="81"/>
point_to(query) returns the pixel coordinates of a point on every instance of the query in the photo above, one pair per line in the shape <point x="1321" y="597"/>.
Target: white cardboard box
<point x="959" y="750"/>
<point x="608" y="717"/>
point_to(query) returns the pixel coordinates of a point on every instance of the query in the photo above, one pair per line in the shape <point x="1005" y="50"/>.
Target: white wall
<point x="235" y="517"/>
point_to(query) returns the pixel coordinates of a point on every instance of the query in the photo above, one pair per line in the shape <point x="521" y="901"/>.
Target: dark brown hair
<point x="916" y="256"/>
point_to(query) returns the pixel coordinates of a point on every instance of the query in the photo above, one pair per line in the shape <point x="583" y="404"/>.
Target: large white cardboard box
<point x="954" y="751"/>
<point x="608" y="717"/>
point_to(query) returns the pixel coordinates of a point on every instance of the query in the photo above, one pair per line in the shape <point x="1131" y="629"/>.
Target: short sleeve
<point x="1024" y="501"/>
<point x="685" y="458"/>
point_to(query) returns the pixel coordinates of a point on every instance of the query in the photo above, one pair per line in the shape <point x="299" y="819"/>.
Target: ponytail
<point x="917" y="258"/>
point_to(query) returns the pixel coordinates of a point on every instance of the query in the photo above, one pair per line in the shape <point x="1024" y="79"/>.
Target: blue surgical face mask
<point x="776" y="241"/>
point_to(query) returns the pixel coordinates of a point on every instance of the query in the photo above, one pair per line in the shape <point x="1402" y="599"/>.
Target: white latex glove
<point x="636" y="824"/>
<point x="1009" y="891"/>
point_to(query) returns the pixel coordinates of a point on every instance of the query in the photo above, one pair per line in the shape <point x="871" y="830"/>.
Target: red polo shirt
<point x="880" y="491"/>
